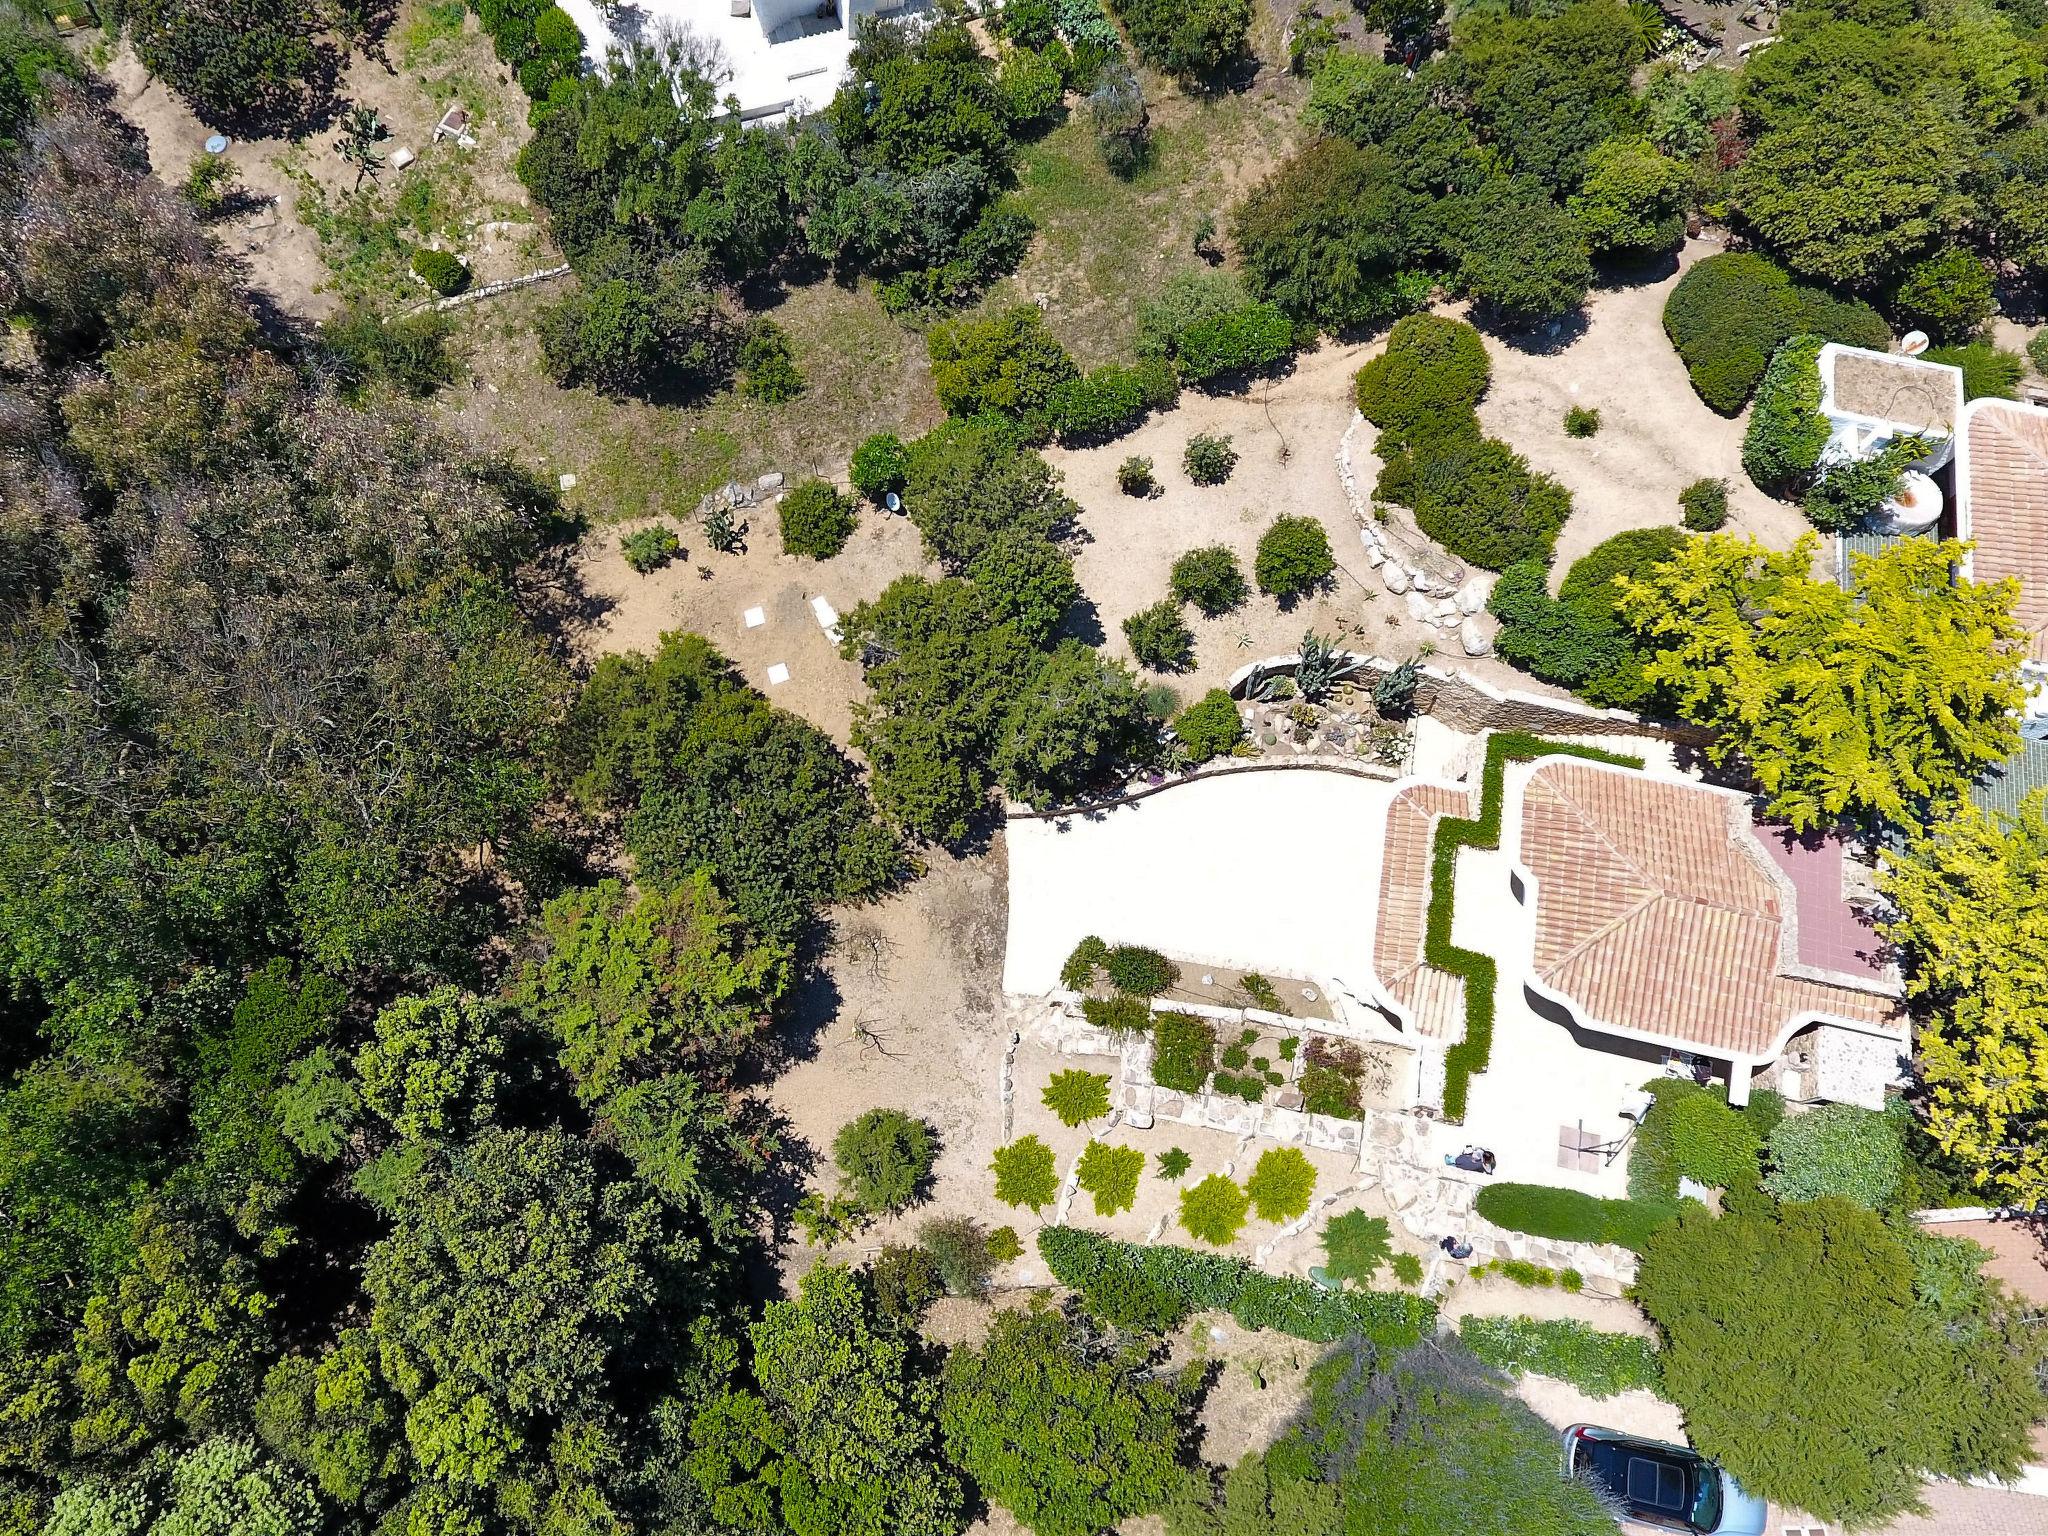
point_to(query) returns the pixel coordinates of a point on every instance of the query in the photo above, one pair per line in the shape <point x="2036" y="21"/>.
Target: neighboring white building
<point x="780" y="58"/>
<point x="1873" y="399"/>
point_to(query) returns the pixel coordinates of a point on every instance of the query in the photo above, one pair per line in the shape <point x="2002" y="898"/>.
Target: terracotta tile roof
<point x="1657" y="913"/>
<point x="2006" y="448"/>
<point x="1890" y="387"/>
<point x="1435" y="999"/>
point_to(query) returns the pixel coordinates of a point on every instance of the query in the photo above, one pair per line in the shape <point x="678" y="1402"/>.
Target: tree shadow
<point x="1538" y="338"/>
<point x="1638" y="271"/>
<point x="1082" y="622"/>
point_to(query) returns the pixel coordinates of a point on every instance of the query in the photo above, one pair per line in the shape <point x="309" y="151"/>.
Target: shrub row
<point x="1477" y="971"/>
<point x="1111" y="400"/>
<point x="1730" y="313"/>
<point x="1787" y="432"/>
<point x="1598" y="1364"/>
<point x="1578" y="639"/>
<point x="1211" y="330"/>
<point x="1572" y="1216"/>
<point x="1156" y="1287"/>
<point x="537" y="39"/>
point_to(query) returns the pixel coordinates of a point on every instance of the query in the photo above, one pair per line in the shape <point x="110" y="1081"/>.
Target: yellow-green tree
<point x="1876" y="703"/>
<point x="1972" y="900"/>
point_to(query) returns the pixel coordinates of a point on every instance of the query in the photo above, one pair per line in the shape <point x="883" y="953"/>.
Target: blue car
<point x="1663" y="1485"/>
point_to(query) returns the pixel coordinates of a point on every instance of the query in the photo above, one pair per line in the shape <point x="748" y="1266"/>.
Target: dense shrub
<point x="441" y="271"/>
<point x="1139" y="971"/>
<point x="1432" y="366"/>
<point x="961" y="1251"/>
<point x="1211" y="330"/>
<point x="1078" y="972"/>
<point x="1211" y="579"/>
<point x="1293" y="558"/>
<point x="1183" y="1051"/>
<point x="1214" y="1210"/>
<point x="1706" y="1141"/>
<point x="1598" y="1364"/>
<point x="1632" y="201"/>
<point x="768" y="371"/>
<point x="1838" y="1149"/>
<point x="1208" y="459"/>
<point x="1032" y="85"/>
<point x="1157" y="1286"/>
<point x="1174" y="1164"/>
<point x="649" y="549"/>
<point x="1110" y="1175"/>
<point x="1581" y="421"/>
<point x="1116" y="108"/>
<point x="1110" y="401"/>
<point x="1731" y="312"/>
<point x="1134" y="476"/>
<point x="970" y="483"/>
<point x="1355" y="1245"/>
<point x="1786" y="431"/>
<point x="1025" y="581"/>
<point x="816" y="520"/>
<point x="233" y="60"/>
<point x="1026" y="1173"/>
<point x="1119" y="1013"/>
<point x="1570" y="1215"/>
<point x="879" y="466"/>
<point x="1989" y="372"/>
<point x="1188" y="38"/>
<point x="1077" y="1096"/>
<point x="1160" y="638"/>
<point x="1281" y="1184"/>
<point x="1948" y="294"/>
<point x="1517" y="254"/>
<point x="1210" y="726"/>
<point x="1705" y="503"/>
<point x="885" y="1157"/>
<point x="1485" y="505"/>
<point x="1848" y="492"/>
<point x="1006" y="362"/>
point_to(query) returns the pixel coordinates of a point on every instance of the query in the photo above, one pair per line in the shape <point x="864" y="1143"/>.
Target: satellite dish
<point x="1913" y="343"/>
<point x="893" y="502"/>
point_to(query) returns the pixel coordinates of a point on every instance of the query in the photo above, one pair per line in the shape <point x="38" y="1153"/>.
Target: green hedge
<point x="1787" y="432"/>
<point x="1729" y="313"/>
<point x="537" y="38"/>
<point x="1478" y="971"/>
<point x="1572" y="1216"/>
<point x="1157" y="1287"/>
<point x="1598" y="1364"/>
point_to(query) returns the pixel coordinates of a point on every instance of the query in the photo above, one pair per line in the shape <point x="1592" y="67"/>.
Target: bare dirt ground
<point x="468" y="201"/>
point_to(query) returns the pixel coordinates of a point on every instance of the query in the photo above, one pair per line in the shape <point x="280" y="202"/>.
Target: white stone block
<point x="1419" y="608"/>
<point x="778" y="673"/>
<point x="754" y="618"/>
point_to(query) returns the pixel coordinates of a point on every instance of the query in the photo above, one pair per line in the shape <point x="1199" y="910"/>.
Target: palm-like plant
<point x="1321" y="668"/>
<point x="361" y="128"/>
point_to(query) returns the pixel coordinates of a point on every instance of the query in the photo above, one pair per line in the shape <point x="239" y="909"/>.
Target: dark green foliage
<point x="1432" y="366"/>
<point x="1731" y="312"/>
<point x="1208" y="459"/>
<point x="1326" y="237"/>
<point x="1174" y="1164"/>
<point x="1293" y="558"/>
<point x="1484" y="504"/>
<point x="880" y="465"/>
<point x="1211" y="579"/>
<point x="963" y="1251"/>
<point x="1110" y="1175"/>
<point x="1839" y="1149"/>
<point x="768" y="371"/>
<point x="536" y="38"/>
<point x="1084" y="721"/>
<point x="1517" y="254"/>
<point x="1949" y="294"/>
<point x="1025" y="1173"/>
<point x="1989" y="372"/>
<point x="1210" y="726"/>
<point x="1598" y="1364"/>
<point x="632" y="328"/>
<point x="441" y="271"/>
<point x="1712" y="1144"/>
<point x="235" y="61"/>
<point x="1134" y="476"/>
<point x="1183" y="1051"/>
<point x="886" y="1158"/>
<point x="1815" y="1307"/>
<point x="1190" y="39"/>
<point x="1160" y="638"/>
<point x="969" y="481"/>
<point x="1355" y="1245"/>
<point x="1407" y="1269"/>
<point x="1845" y="494"/>
<point x="1065" y="1431"/>
<point x="1211" y="330"/>
<point x="1579" y="640"/>
<point x="2037" y="351"/>
<point x="1570" y="1215"/>
<point x="1119" y="1013"/>
<point x="1547" y="87"/>
<point x="1116" y="108"/>
<point x="1110" y="401"/>
<point x="1081" y="967"/>
<point x="904" y="1282"/>
<point x="1580" y="421"/>
<point x="1787" y="432"/>
<point x="650" y="548"/>
<point x="1706" y="505"/>
<point x="410" y="355"/>
<point x="712" y="775"/>
<point x="1632" y="202"/>
<point x="1026" y="582"/>
<point x="1007" y="363"/>
<point x="1141" y="972"/>
<point x="816" y="518"/>
<point x="1156" y="1286"/>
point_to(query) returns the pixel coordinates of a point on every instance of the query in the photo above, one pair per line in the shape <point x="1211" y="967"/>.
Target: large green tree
<point x="1971" y="898"/>
<point x="1878" y="702"/>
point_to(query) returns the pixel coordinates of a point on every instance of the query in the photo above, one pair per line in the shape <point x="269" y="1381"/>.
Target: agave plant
<point x="1322" y="667"/>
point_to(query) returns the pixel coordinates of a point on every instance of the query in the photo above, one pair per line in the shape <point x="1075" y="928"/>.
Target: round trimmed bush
<point x="1140" y="972"/>
<point x="1134" y="476"/>
<point x="649" y="549"/>
<point x="879" y="466"/>
<point x="885" y="1157"/>
<point x="1433" y="367"/>
<point x="1731" y="312"/>
<point x="1211" y="579"/>
<point x="1160" y="638"/>
<point x="1705" y="503"/>
<point x="1208" y="459"/>
<point x="1294" y="557"/>
<point x="816" y="520"/>
<point x="444" y="273"/>
<point x="1210" y="726"/>
<point x="1949" y="294"/>
<point x="1484" y="505"/>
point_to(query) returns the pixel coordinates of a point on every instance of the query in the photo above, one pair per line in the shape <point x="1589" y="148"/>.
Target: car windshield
<point x="1706" y="1504"/>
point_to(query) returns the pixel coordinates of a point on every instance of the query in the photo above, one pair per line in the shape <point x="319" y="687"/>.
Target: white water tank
<point x="1917" y="506"/>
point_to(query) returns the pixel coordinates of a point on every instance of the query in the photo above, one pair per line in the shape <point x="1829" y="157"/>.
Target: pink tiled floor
<point x="1832" y="934"/>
